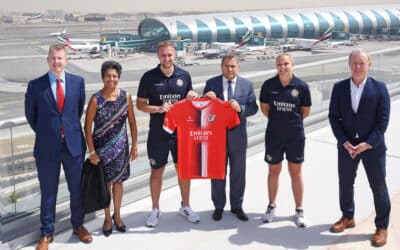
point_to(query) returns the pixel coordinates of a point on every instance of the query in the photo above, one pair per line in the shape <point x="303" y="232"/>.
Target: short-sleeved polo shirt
<point x="285" y="104"/>
<point x="158" y="89"/>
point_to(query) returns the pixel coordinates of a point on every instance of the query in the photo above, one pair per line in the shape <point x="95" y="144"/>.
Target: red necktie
<point x="60" y="95"/>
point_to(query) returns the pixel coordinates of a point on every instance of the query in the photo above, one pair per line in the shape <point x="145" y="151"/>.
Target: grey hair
<point x="360" y="51"/>
<point x="229" y="55"/>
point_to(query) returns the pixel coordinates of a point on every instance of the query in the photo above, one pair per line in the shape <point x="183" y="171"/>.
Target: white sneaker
<point x="189" y="214"/>
<point x="152" y="218"/>
<point x="269" y="215"/>
<point x="300" y="221"/>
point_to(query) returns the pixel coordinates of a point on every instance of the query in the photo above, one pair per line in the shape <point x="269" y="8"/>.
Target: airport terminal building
<point x="307" y="23"/>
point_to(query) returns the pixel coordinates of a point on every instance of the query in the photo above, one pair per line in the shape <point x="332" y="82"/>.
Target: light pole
<point x="170" y="31"/>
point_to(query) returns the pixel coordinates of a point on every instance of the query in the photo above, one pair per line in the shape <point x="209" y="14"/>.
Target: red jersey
<point x="201" y="127"/>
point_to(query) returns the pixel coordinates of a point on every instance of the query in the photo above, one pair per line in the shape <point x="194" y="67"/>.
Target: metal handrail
<point x="256" y="127"/>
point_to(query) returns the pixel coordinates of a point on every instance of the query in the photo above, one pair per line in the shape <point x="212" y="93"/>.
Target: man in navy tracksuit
<point x="359" y="115"/>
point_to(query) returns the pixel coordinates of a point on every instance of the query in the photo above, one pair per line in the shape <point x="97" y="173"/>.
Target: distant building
<point x="57" y="16"/>
<point x="307" y="23"/>
<point x="94" y="18"/>
<point x="15" y="18"/>
<point x="7" y="19"/>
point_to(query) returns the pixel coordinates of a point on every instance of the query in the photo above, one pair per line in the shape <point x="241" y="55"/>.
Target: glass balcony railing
<point x="20" y="194"/>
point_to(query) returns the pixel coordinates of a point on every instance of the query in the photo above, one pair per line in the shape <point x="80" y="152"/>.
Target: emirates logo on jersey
<point x="211" y="118"/>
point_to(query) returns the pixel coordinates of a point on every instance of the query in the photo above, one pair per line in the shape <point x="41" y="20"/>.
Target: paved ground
<point x="320" y="203"/>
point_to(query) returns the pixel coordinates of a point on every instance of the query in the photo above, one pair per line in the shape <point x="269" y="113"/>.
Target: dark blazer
<point x="43" y="116"/>
<point x="244" y="95"/>
<point x="370" y="121"/>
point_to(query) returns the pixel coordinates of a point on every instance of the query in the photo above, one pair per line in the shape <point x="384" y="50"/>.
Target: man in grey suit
<point x="240" y="93"/>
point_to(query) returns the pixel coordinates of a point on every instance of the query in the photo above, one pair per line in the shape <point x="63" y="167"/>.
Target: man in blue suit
<point x="240" y="93"/>
<point x="359" y="114"/>
<point x="54" y="104"/>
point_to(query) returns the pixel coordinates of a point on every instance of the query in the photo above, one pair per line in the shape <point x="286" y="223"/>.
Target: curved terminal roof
<point x="307" y="23"/>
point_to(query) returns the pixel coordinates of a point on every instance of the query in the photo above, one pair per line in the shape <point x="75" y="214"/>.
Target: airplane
<point x="255" y="48"/>
<point x="77" y="41"/>
<point x="218" y="48"/>
<point x="308" y="44"/>
<point x="39" y="16"/>
<point x="58" y="33"/>
<point x="155" y="33"/>
<point x="233" y="46"/>
<point x="79" y="45"/>
<point x="209" y="53"/>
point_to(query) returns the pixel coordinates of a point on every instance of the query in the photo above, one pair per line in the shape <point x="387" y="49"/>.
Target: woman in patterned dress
<point x="108" y="109"/>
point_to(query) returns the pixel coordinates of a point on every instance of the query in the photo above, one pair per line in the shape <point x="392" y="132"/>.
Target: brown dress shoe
<point x="342" y="224"/>
<point x="44" y="242"/>
<point x="379" y="238"/>
<point x="83" y="235"/>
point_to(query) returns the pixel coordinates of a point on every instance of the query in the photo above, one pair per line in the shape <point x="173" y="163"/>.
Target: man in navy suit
<point x="54" y="104"/>
<point x="359" y="114"/>
<point x="240" y="93"/>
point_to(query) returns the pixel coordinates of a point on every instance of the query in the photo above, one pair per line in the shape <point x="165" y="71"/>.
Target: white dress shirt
<point x="356" y="93"/>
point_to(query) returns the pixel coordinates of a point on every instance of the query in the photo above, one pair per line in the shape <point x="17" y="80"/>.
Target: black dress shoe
<point x="217" y="215"/>
<point x="121" y="228"/>
<point x="240" y="214"/>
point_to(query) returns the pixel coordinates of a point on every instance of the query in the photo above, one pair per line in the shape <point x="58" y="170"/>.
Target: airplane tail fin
<point x="64" y="40"/>
<point x="327" y="34"/>
<point x="245" y="39"/>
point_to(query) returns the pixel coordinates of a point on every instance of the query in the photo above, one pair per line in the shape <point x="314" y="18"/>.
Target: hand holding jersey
<point x="191" y="95"/>
<point x="234" y="104"/>
<point x="165" y="107"/>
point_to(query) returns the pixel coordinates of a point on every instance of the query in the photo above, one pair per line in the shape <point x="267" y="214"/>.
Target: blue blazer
<point x="244" y="95"/>
<point x="370" y="121"/>
<point x="43" y="116"/>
